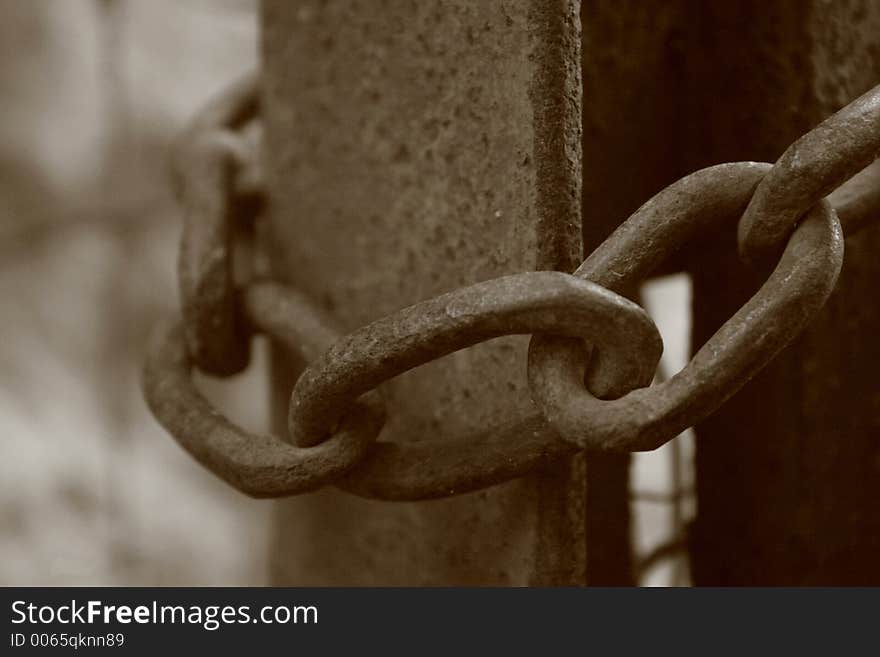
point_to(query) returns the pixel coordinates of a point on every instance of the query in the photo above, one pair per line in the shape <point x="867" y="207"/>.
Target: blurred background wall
<point x="92" y="492"/>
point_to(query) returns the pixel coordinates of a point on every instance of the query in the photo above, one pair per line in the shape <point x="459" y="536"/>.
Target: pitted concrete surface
<point x="413" y="148"/>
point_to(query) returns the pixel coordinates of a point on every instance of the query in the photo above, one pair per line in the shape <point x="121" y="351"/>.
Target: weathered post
<point x="789" y="470"/>
<point x="412" y="149"/>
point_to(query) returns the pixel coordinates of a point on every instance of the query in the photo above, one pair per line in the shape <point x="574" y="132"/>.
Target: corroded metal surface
<point x="265" y="466"/>
<point x="858" y="201"/>
<point x="429" y="468"/>
<point x="533" y="302"/>
<point x="545" y="303"/>
<point x="336" y="413"/>
<point x="258" y="465"/>
<point x="647" y="418"/>
<point x="206" y="164"/>
<point x="414" y="150"/>
<point x="811" y="168"/>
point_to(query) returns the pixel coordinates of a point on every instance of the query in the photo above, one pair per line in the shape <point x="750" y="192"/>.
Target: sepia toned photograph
<point x="459" y="293"/>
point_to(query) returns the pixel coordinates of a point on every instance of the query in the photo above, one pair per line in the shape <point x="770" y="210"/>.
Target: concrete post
<point x="413" y="148"/>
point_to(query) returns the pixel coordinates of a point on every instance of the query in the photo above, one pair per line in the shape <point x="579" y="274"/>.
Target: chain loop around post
<point x="266" y="466"/>
<point x="533" y="302"/>
<point x="256" y="464"/>
<point x="206" y="164"/>
<point x="336" y="414"/>
<point x="644" y="419"/>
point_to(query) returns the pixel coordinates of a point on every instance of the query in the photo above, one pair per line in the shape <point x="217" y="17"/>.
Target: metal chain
<point x="206" y="166"/>
<point x="708" y="200"/>
<point x="810" y="169"/>
<point x="583" y="331"/>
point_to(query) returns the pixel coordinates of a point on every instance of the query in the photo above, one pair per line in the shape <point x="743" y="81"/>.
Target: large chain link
<point x="709" y="201"/>
<point x="207" y="167"/>
<point x="583" y="330"/>
<point x="810" y="169"/>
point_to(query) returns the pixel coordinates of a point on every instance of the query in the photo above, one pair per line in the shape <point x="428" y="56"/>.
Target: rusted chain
<point x="810" y="169"/>
<point x="428" y="469"/>
<point x="256" y="464"/>
<point x="710" y="199"/>
<point x="857" y="202"/>
<point x="533" y="302"/>
<point x="207" y="163"/>
<point x="336" y="413"/>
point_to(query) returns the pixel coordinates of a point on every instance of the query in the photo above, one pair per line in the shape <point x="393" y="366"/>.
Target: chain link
<point x="810" y="169"/>
<point x="534" y="302"/>
<point x="207" y="164"/>
<point x="593" y="352"/>
<point x="256" y="464"/>
<point x="704" y="203"/>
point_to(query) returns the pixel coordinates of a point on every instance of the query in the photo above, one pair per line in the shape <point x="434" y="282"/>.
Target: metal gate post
<point x="789" y="470"/>
<point x="413" y="148"/>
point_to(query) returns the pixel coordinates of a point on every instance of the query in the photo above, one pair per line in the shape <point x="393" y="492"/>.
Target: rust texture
<point x="554" y="302"/>
<point x="808" y="170"/>
<point x="788" y="471"/>
<point x="338" y="388"/>
<point x="858" y="201"/>
<point x="415" y="148"/>
<point x="206" y="165"/>
<point x="646" y="418"/>
<point x="518" y="304"/>
<point x="259" y="465"/>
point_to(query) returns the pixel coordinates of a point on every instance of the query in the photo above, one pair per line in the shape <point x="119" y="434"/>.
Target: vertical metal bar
<point x="789" y="470"/>
<point x="414" y="148"/>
